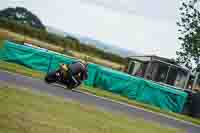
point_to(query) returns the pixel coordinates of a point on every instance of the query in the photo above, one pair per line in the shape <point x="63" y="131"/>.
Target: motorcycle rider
<point x="76" y="72"/>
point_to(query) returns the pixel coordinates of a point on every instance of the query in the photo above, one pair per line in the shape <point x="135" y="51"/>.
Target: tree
<point x="189" y="33"/>
<point x="22" y="16"/>
<point x="74" y="42"/>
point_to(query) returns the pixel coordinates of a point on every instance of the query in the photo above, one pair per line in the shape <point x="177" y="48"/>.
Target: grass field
<point x="98" y="61"/>
<point x="5" y="34"/>
<point x="25" y="112"/>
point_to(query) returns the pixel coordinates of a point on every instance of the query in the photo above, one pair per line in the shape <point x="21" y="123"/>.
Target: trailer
<point x="168" y="72"/>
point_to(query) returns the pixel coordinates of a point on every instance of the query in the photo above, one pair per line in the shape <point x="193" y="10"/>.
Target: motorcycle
<point x="57" y="76"/>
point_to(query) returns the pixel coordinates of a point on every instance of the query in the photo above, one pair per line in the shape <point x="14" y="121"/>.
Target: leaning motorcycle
<point x="57" y="77"/>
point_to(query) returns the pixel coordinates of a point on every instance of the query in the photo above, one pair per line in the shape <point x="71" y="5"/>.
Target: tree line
<point x="69" y="43"/>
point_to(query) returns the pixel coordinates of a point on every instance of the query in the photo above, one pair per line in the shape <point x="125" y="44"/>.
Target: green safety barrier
<point x="114" y="81"/>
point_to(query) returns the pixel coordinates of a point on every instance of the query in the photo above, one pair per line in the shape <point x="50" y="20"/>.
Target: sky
<point x="146" y="27"/>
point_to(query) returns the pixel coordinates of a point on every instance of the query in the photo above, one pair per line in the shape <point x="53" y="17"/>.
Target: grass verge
<point x="20" y="69"/>
<point x="25" y="112"/>
<point x="99" y="92"/>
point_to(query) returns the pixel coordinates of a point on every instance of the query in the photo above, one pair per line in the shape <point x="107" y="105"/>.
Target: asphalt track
<point x="98" y="102"/>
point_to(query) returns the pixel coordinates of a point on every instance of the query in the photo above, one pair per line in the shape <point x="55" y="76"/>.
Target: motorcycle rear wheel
<point x="51" y="77"/>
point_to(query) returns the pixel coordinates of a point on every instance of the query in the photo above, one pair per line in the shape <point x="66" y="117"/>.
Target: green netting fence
<point x="114" y="81"/>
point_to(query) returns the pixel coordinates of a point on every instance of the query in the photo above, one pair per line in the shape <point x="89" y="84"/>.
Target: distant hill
<point x="99" y="44"/>
<point x="55" y="31"/>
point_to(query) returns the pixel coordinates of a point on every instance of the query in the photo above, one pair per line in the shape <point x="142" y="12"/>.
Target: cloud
<point x="140" y="32"/>
<point x="16" y="0"/>
<point x="113" y="5"/>
<point x="165" y="9"/>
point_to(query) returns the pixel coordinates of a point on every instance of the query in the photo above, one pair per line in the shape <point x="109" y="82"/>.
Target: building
<point x="159" y="69"/>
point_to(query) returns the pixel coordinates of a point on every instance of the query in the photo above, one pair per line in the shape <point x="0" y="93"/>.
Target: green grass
<point x="24" y="112"/>
<point x="20" y="69"/>
<point x="99" y="92"/>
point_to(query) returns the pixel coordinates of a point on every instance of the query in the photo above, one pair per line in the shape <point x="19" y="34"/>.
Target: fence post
<point x="50" y="61"/>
